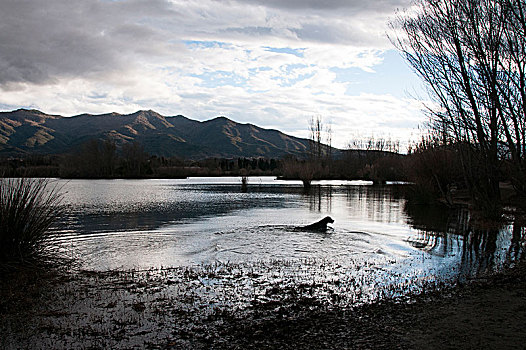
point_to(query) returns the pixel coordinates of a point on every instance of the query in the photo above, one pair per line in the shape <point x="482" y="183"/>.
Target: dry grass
<point x="28" y="209"/>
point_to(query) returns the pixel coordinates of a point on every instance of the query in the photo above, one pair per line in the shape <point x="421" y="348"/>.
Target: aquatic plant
<point x="244" y="183"/>
<point x="28" y="209"/>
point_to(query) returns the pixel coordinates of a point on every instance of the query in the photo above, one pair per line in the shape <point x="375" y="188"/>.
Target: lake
<point x="144" y="224"/>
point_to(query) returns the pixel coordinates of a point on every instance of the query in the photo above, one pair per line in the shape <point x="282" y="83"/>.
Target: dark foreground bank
<point x="127" y="310"/>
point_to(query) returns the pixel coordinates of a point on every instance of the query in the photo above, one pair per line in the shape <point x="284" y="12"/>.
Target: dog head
<point x="328" y="220"/>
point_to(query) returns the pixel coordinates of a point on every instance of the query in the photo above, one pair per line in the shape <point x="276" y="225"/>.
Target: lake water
<point x="142" y="224"/>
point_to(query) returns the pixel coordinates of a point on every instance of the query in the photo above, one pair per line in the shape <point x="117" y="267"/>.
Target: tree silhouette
<point x="471" y="54"/>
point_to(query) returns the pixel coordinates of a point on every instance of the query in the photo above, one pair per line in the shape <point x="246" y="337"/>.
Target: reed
<point x="28" y="209"/>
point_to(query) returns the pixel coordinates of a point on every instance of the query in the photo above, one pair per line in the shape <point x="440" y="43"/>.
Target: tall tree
<point x="512" y="88"/>
<point x="320" y="140"/>
<point x="315" y="138"/>
<point x="471" y="55"/>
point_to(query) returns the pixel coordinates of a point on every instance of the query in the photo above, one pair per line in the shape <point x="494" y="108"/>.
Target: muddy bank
<point x="168" y="309"/>
<point x="487" y="313"/>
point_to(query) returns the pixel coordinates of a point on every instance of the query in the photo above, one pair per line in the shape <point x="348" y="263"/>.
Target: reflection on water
<point x="447" y="233"/>
<point x="151" y="223"/>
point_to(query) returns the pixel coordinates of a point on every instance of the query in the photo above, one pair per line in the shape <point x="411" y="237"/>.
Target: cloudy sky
<point x="273" y="63"/>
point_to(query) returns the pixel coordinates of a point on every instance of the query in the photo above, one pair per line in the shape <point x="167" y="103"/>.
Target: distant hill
<point x="25" y="132"/>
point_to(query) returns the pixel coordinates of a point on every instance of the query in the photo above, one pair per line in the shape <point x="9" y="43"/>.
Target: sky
<point x="272" y="63"/>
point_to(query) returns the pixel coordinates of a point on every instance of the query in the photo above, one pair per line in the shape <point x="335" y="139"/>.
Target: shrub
<point x="435" y="169"/>
<point x="28" y="209"/>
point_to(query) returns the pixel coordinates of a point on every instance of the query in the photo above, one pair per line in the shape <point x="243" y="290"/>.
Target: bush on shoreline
<point x="28" y="209"/>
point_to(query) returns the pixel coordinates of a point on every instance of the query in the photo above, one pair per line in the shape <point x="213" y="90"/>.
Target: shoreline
<point x="124" y="310"/>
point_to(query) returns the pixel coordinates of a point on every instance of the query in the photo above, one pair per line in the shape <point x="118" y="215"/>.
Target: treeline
<point x="438" y="172"/>
<point x="370" y="159"/>
<point x="103" y="159"/>
<point x="369" y="165"/>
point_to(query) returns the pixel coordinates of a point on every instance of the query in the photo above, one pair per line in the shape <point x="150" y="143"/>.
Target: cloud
<point x="41" y="42"/>
<point x="330" y="5"/>
<point x="271" y="63"/>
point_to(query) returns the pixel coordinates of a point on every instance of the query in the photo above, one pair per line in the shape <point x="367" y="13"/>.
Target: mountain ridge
<point x="30" y="131"/>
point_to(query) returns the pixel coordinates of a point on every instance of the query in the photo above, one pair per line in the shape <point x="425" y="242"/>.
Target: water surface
<point x="124" y="224"/>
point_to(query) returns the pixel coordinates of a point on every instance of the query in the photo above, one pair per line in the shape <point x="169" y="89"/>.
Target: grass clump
<point x="28" y="209"/>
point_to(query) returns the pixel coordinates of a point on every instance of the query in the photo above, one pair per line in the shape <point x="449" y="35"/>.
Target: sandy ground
<point x="487" y="314"/>
<point x="119" y="311"/>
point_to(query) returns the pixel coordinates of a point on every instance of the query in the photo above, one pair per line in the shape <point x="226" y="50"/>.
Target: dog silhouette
<point x="317" y="226"/>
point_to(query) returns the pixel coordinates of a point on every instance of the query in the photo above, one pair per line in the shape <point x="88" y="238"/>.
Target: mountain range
<point x="25" y="132"/>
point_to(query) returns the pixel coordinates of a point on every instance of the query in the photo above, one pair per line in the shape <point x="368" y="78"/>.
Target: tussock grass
<point x="28" y="209"/>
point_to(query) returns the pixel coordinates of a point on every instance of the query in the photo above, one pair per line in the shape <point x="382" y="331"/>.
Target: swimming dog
<point x="317" y="226"/>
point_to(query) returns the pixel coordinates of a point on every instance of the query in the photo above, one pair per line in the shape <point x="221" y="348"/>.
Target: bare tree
<point x="320" y="150"/>
<point x="320" y="140"/>
<point x="374" y="144"/>
<point x="315" y="138"/>
<point x="328" y="132"/>
<point x="512" y="87"/>
<point x="471" y="55"/>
